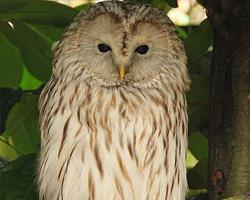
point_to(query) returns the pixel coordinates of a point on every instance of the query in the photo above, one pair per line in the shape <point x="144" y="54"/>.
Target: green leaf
<point x="199" y="92"/>
<point x="28" y="81"/>
<point x="182" y="33"/>
<point x="6" y="150"/>
<point x="196" y="194"/>
<point x="198" y="95"/>
<point x="201" y="80"/>
<point x="10" y="64"/>
<point x="35" y="50"/>
<point x="191" y="160"/>
<point x="49" y="33"/>
<point x="22" y="124"/>
<point x="198" y="118"/>
<point x="172" y="3"/>
<point x="3" y="162"/>
<point x="83" y="6"/>
<point x="141" y="1"/>
<point x="7" y="5"/>
<point x="42" y="12"/>
<point x="197" y="177"/>
<point x="198" y="145"/>
<point x="158" y="3"/>
<point x="199" y="41"/>
<point x="18" y="179"/>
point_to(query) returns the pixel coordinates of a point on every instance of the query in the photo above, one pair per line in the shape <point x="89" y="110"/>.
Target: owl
<point x="113" y="115"/>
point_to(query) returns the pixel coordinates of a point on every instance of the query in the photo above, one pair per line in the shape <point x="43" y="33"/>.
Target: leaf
<point x="158" y="3"/>
<point x="7" y="5"/>
<point x="201" y="80"/>
<point x="8" y="98"/>
<point x="198" y="41"/>
<point x="18" y="179"/>
<point x="198" y="195"/>
<point x="198" y="118"/>
<point x="50" y="33"/>
<point x="182" y="33"/>
<point x="199" y="96"/>
<point x="198" y="145"/>
<point x="3" y="162"/>
<point x="141" y="1"/>
<point x="29" y="82"/>
<point x="6" y="151"/>
<point x="35" y="51"/>
<point x="197" y="177"/>
<point x="11" y="64"/>
<point x="199" y="92"/>
<point x="42" y="12"/>
<point x="83" y="6"/>
<point x="172" y="3"/>
<point x="191" y="160"/>
<point x="22" y="124"/>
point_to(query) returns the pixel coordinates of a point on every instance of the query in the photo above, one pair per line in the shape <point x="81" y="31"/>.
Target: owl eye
<point x="103" y="48"/>
<point x="143" y="49"/>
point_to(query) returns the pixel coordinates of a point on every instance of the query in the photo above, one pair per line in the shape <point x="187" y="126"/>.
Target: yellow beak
<point x="122" y="72"/>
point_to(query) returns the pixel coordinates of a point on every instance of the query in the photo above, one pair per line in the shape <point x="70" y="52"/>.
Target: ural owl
<point x="113" y="115"/>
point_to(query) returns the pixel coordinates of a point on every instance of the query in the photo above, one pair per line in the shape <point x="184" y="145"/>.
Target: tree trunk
<point x="229" y="159"/>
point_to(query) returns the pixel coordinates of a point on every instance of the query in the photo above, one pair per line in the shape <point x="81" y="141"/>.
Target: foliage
<point x="28" y="29"/>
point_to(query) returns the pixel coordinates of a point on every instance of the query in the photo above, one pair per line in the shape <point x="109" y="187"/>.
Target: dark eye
<point x="103" y="48"/>
<point x="143" y="49"/>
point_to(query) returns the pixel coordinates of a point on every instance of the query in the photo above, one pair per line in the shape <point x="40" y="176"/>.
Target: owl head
<point x="119" y="44"/>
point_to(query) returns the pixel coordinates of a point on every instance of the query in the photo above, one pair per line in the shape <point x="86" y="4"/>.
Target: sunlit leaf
<point x="10" y="63"/>
<point x="22" y="124"/>
<point x="198" y="41"/>
<point x="18" y="179"/>
<point x="42" y="12"/>
<point x="6" y="151"/>
<point x="35" y="51"/>
<point x="28" y="81"/>
<point x="191" y="160"/>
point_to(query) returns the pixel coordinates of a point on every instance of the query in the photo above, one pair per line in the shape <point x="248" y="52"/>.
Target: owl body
<point x="109" y="133"/>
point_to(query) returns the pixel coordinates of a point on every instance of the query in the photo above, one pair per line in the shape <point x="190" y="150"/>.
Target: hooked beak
<point x="122" y="72"/>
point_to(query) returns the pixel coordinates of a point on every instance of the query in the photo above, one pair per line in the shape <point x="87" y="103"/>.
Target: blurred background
<point x="188" y="12"/>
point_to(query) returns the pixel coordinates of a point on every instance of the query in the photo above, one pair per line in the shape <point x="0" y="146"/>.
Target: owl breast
<point x="120" y="143"/>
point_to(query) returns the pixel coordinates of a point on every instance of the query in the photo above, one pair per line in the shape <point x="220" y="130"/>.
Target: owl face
<point x="116" y="44"/>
